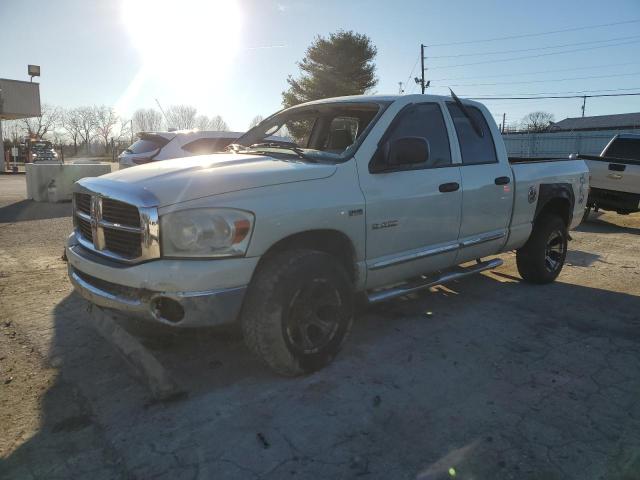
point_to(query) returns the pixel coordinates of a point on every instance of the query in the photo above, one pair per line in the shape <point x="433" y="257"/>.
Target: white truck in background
<point x="378" y="197"/>
<point x="615" y="176"/>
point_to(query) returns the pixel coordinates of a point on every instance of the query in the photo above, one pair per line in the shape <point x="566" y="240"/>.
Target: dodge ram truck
<point x="615" y="176"/>
<point x="375" y="197"/>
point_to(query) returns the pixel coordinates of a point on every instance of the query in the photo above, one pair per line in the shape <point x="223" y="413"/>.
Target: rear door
<point x="413" y="211"/>
<point x="487" y="186"/>
<point x="623" y="175"/>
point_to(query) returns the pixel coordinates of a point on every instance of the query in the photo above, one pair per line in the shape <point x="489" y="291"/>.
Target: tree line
<point x="94" y="128"/>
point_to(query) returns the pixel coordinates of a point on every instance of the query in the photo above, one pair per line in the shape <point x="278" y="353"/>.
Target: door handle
<point x="502" y="180"/>
<point x="449" y="187"/>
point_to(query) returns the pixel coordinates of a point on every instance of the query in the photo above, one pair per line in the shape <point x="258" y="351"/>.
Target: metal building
<point x="587" y="135"/>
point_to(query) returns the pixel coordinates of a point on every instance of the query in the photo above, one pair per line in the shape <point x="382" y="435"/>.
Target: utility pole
<point x="421" y="81"/>
<point x="400" y="89"/>
<point x="504" y="118"/>
<point x="584" y="104"/>
<point x="422" y="66"/>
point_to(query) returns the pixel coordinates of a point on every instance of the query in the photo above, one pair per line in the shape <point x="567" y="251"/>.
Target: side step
<point x="440" y="278"/>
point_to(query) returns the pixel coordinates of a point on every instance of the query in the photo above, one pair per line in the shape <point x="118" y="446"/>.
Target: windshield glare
<point x="329" y="131"/>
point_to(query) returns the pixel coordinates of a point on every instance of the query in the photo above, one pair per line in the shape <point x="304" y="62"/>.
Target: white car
<point x="379" y="197"/>
<point x="155" y="146"/>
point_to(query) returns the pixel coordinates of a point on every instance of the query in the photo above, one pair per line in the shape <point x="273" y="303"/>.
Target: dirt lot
<point x="486" y="378"/>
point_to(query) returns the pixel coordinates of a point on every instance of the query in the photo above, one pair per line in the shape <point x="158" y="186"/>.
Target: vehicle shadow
<point x="26" y="210"/>
<point x="476" y="342"/>
<point x="597" y="224"/>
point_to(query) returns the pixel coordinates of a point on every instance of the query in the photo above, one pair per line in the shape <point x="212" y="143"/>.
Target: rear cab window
<point x="627" y="148"/>
<point x="205" y="146"/>
<point x="147" y="144"/>
<point x="475" y="149"/>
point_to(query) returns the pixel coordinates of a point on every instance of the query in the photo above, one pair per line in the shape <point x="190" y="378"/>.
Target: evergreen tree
<point x="339" y="65"/>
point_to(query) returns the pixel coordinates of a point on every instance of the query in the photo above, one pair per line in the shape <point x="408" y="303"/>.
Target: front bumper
<point x="179" y="309"/>
<point x="212" y="292"/>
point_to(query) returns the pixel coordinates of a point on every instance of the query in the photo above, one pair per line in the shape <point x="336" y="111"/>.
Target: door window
<point x="475" y="149"/>
<point x="425" y="121"/>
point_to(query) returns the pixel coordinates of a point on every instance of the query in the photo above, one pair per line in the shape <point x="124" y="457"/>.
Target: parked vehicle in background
<point x="615" y="176"/>
<point x="379" y="196"/>
<point x="156" y="146"/>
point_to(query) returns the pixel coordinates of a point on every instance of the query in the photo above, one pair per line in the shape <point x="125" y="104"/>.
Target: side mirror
<point x="408" y="151"/>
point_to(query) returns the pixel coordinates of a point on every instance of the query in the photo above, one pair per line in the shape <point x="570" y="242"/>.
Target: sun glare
<point x="187" y="45"/>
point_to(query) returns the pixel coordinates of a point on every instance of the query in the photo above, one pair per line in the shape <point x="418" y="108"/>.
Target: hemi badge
<point x="356" y="212"/>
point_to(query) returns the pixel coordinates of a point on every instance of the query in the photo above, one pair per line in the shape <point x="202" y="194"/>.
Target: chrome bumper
<point x="178" y="309"/>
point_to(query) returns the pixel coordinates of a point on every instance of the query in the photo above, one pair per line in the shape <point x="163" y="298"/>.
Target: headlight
<point x="206" y="232"/>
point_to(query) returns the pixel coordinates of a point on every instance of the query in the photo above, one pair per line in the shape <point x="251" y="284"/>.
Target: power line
<point x="499" y="52"/>
<point x="557" y="96"/>
<point x="533" y="73"/>
<point x="541" y="81"/>
<point x="536" y="56"/>
<point x="549" y="32"/>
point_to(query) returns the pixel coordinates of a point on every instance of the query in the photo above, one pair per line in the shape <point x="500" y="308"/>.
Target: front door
<point x="412" y="210"/>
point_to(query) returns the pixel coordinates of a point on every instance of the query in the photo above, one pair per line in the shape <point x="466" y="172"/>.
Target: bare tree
<point x="105" y="119"/>
<point x="181" y="117"/>
<point x="537" y="121"/>
<point x="47" y="121"/>
<point x="218" y="124"/>
<point x="146" y="120"/>
<point x="70" y="120"/>
<point x="13" y="130"/>
<point x="255" y="121"/>
<point x="86" y="117"/>
<point x="203" y="122"/>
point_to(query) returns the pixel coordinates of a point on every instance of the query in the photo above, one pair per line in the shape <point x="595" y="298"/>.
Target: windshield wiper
<point x="297" y="150"/>
<point x="466" y="113"/>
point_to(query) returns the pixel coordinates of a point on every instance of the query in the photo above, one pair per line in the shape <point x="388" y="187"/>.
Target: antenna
<point x="163" y="114"/>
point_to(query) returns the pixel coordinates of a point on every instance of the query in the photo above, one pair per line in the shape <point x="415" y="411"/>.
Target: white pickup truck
<point x="375" y="197"/>
<point x="615" y="176"/>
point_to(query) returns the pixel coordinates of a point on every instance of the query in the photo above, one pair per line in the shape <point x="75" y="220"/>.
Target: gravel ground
<point x="485" y="378"/>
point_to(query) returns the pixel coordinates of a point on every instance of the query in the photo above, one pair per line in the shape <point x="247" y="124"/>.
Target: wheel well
<point x="557" y="206"/>
<point x="332" y="242"/>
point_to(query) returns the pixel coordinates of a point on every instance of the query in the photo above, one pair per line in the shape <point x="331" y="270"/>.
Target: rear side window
<point x="475" y="149"/>
<point x="627" y="148"/>
<point x="147" y="144"/>
<point x="205" y="146"/>
<point x="425" y="120"/>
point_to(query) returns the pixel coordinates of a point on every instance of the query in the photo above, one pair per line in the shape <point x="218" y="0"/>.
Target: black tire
<point x="298" y="311"/>
<point x="541" y="259"/>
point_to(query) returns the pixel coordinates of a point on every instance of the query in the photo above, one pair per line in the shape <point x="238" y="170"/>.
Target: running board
<point x="444" y="277"/>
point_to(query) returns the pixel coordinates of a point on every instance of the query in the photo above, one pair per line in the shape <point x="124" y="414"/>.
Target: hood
<point x="184" y="179"/>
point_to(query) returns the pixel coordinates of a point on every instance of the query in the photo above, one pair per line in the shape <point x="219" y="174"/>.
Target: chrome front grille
<point x="116" y="229"/>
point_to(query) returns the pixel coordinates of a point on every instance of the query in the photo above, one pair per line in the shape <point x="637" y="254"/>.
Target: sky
<point x="232" y="57"/>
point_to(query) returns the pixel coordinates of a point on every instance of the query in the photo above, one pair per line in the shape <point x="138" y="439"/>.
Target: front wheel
<point x="541" y="259"/>
<point x="298" y="311"/>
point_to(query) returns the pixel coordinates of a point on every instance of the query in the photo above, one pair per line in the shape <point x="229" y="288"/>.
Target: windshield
<point x="327" y="131"/>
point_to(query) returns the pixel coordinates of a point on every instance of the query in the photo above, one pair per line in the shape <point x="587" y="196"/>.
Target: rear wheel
<point x="298" y="311"/>
<point x="541" y="259"/>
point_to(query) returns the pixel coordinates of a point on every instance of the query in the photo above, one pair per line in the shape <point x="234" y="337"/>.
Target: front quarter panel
<point x="332" y="203"/>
